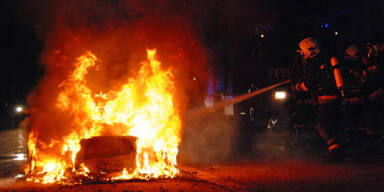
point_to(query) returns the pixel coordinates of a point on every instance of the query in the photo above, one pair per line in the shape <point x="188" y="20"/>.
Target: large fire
<point x="142" y="107"/>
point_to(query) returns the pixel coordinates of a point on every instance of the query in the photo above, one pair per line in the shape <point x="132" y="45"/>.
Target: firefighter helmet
<point x="310" y="47"/>
<point x="352" y="52"/>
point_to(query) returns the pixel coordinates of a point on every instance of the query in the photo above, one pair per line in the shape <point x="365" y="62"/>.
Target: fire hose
<point x="206" y="110"/>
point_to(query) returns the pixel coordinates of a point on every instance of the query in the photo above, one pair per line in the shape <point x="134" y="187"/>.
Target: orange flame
<point x="143" y="107"/>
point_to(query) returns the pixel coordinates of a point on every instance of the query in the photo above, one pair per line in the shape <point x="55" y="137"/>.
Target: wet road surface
<point x="13" y="152"/>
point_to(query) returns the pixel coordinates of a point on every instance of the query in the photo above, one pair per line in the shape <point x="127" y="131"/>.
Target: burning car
<point x="133" y="130"/>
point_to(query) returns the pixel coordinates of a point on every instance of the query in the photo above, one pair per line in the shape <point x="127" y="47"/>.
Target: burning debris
<point x="134" y="130"/>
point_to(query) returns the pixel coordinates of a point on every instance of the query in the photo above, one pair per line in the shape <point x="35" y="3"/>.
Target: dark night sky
<point x="223" y="24"/>
<point x="20" y="51"/>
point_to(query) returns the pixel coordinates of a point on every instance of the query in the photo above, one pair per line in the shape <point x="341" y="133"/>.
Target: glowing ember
<point x="143" y="107"/>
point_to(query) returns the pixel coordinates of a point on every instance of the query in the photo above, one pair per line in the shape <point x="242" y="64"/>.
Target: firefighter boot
<point x="335" y="151"/>
<point x="336" y="154"/>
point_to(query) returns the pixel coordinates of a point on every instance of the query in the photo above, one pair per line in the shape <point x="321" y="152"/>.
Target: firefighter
<point x="321" y="79"/>
<point x="373" y="92"/>
<point x="352" y="71"/>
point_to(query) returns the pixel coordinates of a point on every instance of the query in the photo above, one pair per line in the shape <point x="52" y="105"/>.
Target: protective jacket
<point x="318" y="80"/>
<point x="352" y="71"/>
<point x="373" y="74"/>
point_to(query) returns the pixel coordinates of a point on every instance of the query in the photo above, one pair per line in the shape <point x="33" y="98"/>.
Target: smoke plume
<point x="118" y="32"/>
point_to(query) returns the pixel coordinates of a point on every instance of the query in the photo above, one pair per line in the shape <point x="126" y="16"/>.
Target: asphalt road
<point x="13" y="152"/>
<point x="357" y="173"/>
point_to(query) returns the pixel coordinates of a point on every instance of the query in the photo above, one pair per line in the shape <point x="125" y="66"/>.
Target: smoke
<point x="209" y="139"/>
<point x="118" y="32"/>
